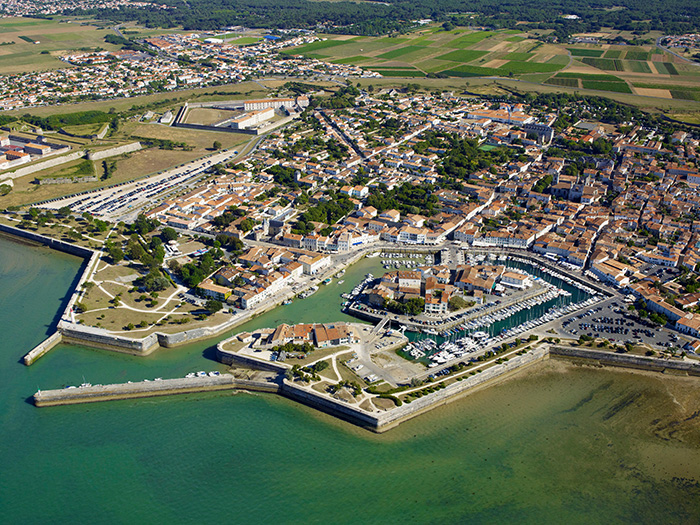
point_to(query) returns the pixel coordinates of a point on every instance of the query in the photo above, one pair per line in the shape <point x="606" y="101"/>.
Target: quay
<point x="163" y="387"/>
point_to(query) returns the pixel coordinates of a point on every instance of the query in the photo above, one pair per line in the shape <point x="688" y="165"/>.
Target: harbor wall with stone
<point x="653" y="364"/>
<point x="231" y="358"/>
<point x="470" y="384"/>
<point x="56" y="244"/>
<point x="164" y="387"/>
<point x="42" y="348"/>
<point x="78" y="334"/>
<point x="331" y="406"/>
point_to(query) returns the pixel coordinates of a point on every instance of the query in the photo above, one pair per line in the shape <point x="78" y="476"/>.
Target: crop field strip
<point x="606" y="64"/>
<point x="617" y="87"/>
<point x="578" y="52"/>
<point x="636" y="66"/>
<point x="390" y="55"/>
<point x="666" y="68"/>
<point x="613" y="53"/>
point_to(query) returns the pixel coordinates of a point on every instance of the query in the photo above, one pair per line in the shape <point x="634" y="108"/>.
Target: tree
<point x="168" y="234"/>
<point x="458" y="303"/>
<point x="216" y="145"/>
<point x="213" y="306"/>
<point x="115" y="253"/>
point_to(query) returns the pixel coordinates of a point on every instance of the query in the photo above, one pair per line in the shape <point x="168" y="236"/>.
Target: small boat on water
<point x="288" y="301"/>
<point x="308" y="292"/>
<point x="341" y="281"/>
<point x="328" y="281"/>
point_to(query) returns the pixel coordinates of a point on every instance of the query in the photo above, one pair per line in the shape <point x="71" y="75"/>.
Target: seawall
<point x="42" y="348"/>
<point x="164" y="387"/>
<point x="652" y="364"/>
<point x="48" y="241"/>
<point x="468" y="385"/>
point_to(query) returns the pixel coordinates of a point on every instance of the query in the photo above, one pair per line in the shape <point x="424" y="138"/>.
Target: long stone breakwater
<point x="163" y="387"/>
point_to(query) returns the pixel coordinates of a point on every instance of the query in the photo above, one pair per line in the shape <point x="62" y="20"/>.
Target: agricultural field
<point x="55" y="38"/>
<point x="458" y="53"/>
<point x="467" y="55"/>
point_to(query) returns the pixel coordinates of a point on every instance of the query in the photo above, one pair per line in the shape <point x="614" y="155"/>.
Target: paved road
<point x="662" y="48"/>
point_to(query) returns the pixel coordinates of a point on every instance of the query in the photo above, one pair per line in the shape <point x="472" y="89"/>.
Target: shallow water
<point x="558" y="444"/>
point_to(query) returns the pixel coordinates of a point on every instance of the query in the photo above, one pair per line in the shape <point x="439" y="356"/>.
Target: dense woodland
<point x="373" y="18"/>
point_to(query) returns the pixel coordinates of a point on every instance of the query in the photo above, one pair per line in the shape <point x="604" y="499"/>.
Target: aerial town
<point x="328" y="260"/>
<point x="497" y="228"/>
<point x="163" y="64"/>
<point x="475" y="233"/>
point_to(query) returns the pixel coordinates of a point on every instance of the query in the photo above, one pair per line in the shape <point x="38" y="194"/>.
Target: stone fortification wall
<point x="50" y="163"/>
<point x="102" y="339"/>
<point x="111" y="152"/>
<point x="233" y="358"/>
<point x="334" y="407"/>
<point x="56" y="244"/>
<point x="653" y="364"/>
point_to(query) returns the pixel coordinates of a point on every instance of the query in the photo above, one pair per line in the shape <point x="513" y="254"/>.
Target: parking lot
<point x="613" y="321"/>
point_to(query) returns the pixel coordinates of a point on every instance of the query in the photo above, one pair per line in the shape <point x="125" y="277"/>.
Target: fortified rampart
<point x="48" y="241"/>
<point x="652" y="364"/>
<point x="111" y="152"/>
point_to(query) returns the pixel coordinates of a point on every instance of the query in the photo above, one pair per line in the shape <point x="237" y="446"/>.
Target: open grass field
<point x="207" y="116"/>
<point x="201" y="140"/>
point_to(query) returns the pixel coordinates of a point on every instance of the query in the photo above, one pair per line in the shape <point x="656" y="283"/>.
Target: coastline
<point x="102" y="339"/>
<point x="377" y="422"/>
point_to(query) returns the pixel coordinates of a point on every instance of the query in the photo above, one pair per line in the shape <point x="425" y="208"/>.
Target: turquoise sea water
<point x="557" y="445"/>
